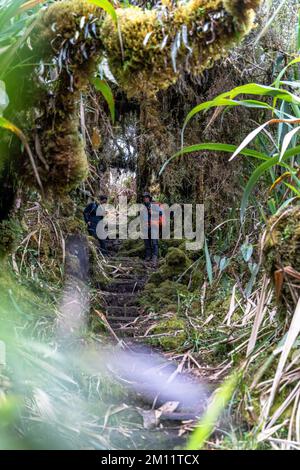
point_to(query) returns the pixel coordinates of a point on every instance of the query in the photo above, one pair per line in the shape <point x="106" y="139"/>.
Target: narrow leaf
<point x="106" y="6"/>
<point x="286" y="141"/>
<point x="209" y="268"/>
<point x="212" y="413"/>
<point x="248" y="139"/>
<point x="212" y="147"/>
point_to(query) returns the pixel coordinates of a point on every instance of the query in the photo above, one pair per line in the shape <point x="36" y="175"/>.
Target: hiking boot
<point x="154" y="261"/>
<point x="147" y="259"/>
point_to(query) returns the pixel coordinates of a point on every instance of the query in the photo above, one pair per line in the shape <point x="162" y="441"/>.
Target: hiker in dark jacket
<point x="92" y="219"/>
<point x="153" y="219"/>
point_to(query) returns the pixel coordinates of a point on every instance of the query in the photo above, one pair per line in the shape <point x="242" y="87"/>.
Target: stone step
<point x="116" y="320"/>
<point x="123" y="332"/>
<point x="125" y="261"/>
<point x="122" y="285"/>
<point x="129" y="275"/>
<point x="115" y="299"/>
<point x="122" y="311"/>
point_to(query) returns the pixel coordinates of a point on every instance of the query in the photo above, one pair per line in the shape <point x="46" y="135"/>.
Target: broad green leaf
<point x="104" y="88"/>
<point x="256" y="131"/>
<point x="106" y="6"/>
<point x="221" y="101"/>
<point x="5" y="124"/>
<point x="296" y="110"/>
<point x="224" y="263"/>
<point x="282" y="127"/>
<point x="292" y="188"/>
<point x="294" y="84"/>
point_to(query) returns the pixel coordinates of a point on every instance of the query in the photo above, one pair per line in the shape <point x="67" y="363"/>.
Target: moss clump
<point x="173" y="283"/>
<point x="11" y="233"/>
<point x="174" y="264"/>
<point x="164" y="245"/>
<point x="217" y="303"/>
<point x="172" y="334"/>
<point x="176" y="267"/>
<point x="240" y="8"/>
<point x="281" y="247"/>
<point x="133" y="248"/>
<point x="155" y="297"/>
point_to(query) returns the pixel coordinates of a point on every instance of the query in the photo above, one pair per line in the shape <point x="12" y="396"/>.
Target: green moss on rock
<point x="11" y="233"/>
<point x="155" y="297"/>
<point x="171" y="332"/>
<point x="133" y="248"/>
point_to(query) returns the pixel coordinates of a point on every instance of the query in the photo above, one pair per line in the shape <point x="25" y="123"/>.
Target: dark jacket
<point x="91" y="218"/>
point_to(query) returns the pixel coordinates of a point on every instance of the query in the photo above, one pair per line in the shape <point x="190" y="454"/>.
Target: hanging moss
<point x="159" y="43"/>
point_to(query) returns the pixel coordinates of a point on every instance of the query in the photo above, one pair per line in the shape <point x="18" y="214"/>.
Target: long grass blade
<point x="211" y="147"/>
<point x="214" y="410"/>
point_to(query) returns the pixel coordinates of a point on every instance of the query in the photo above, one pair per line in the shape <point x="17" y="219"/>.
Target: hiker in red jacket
<point x="154" y="219"/>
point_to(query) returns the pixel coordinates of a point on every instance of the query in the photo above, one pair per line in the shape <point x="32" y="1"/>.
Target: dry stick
<point x="104" y="319"/>
<point x="31" y="157"/>
<point x="26" y="241"/>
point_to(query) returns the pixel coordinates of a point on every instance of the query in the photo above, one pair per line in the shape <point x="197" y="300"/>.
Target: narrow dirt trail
<point x="162" y="412"/>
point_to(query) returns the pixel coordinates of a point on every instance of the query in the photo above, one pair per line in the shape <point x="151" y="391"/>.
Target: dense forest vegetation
<point x="195" y="102"/>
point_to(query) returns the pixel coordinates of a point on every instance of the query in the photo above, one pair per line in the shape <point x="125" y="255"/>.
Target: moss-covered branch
<point x="159" y="43"/>
<point x="148" y="48"/>
<point x="146" y="52"/>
